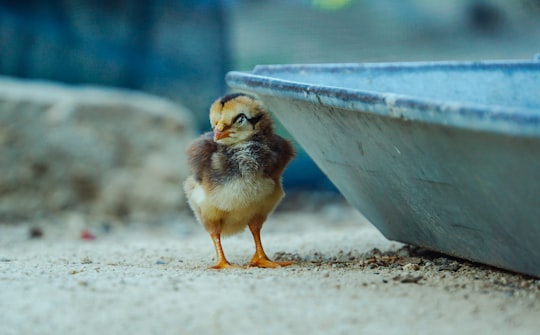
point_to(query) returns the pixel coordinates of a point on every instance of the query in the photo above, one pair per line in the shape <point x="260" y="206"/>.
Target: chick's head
<point x="237" y="117"/>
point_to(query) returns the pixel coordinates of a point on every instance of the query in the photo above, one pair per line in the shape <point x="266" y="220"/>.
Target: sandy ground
<point x="136" y="279"/>
<point x="348" y="279"/>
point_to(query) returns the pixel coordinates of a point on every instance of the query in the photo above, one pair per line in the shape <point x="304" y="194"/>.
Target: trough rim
<point x="513" y="121"/>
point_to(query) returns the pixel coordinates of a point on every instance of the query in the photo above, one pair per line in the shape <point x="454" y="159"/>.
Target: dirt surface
<point x="78" y="276"/>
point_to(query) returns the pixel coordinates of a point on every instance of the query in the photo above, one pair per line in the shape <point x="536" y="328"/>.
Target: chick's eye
<point x="240" y="119"/>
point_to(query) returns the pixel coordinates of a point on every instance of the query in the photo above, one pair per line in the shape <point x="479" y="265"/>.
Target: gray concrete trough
<point x="443" y="155"/>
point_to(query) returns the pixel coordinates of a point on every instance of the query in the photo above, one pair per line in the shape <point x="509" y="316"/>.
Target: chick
<point x="236" y="173"/>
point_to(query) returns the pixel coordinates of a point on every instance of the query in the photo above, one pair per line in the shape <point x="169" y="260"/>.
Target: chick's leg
<point x="222" y="262"/>
<point x="260" y="259"/>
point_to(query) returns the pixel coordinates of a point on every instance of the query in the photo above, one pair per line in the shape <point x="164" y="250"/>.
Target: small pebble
<point x="36" y="232"/>
<point x="106" y="227"/>
<point x="453" y="267"/>
<point x="403" y="252"/>
<point x="411" y="267"/>
<point x="375" y="252"/>
<point x="160" y="262"/>
<point x="87" y="235"/>
<point x="411" y="279"/>
<point x="441" y="261"/>
<point x="86" y="260"/>
<point x="415" y="260"/>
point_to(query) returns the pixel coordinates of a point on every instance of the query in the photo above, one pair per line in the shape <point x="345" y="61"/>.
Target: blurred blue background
<point x="172" y="48"/>
<point x="182" y="49"/>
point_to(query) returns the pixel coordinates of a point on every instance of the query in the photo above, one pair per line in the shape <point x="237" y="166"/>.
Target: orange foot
<point x="225" y="265"/>
<point x="266" y="263"/>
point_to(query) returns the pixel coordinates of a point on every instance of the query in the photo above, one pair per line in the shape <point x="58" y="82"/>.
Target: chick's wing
<point x="199" y="154"/>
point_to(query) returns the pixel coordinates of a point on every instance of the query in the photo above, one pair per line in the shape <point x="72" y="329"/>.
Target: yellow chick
<point x="236" y="173"/>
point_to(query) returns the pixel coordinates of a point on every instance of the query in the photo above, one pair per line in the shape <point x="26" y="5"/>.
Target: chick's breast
<point x="238" y="176"/>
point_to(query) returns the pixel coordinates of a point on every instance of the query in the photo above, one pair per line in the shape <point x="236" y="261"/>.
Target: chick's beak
<point x="218" y="135"/>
